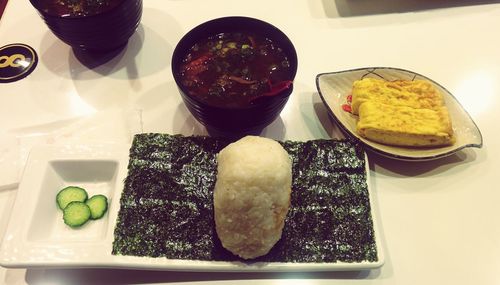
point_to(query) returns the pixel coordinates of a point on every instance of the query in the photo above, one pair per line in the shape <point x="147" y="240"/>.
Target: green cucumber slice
<point x="98" y="205"/>
<point x="70" y="194"/>
<point x="76" y="214"/>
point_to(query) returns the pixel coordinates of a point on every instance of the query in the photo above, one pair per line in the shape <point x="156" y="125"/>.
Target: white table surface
<point x="440" y="220"/>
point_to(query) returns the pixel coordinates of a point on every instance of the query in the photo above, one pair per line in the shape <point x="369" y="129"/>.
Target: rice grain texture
<point x="252" y="195"/>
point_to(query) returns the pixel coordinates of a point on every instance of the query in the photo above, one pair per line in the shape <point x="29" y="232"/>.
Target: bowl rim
<point x="177" y="52"/>
<point x="45" y="14"/>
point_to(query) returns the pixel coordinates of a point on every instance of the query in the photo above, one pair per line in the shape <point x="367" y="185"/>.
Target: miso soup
<point x="77" y="8"/>
<point x="233" y="69"/>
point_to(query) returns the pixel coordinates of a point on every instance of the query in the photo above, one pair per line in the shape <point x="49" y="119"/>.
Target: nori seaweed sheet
<point x="167" y="205"/>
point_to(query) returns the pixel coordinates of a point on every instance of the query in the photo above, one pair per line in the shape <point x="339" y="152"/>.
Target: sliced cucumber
<point x="98" y="205"/>
<point x="76" y="214"/>
<point x="70" y="194"/>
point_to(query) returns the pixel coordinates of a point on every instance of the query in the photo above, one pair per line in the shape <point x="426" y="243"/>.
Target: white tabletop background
<point x="440" y="220"/>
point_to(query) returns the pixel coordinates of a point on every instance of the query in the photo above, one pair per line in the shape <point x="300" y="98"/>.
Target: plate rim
<point x="374" y="149"/>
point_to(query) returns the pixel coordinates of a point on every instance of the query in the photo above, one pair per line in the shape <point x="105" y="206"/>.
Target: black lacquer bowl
<point x="104" y="31"/>
<point x="230" y="121"/>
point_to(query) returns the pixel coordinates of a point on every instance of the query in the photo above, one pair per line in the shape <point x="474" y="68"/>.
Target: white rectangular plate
<point x="37" y="236"/>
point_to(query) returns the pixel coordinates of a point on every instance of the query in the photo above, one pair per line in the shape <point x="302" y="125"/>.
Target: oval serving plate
<point x="334" y="87"/>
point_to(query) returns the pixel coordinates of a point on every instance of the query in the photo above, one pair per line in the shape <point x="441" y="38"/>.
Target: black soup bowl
<point x="233" y="119"/>
<point x="91" y="25"/>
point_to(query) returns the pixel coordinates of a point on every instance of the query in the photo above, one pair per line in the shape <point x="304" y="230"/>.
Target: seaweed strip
<point x="167" y="208"/>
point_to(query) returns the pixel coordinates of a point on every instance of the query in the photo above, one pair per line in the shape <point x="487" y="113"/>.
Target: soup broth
<point x="77" y="8"/>
<point x="232" y="69"/>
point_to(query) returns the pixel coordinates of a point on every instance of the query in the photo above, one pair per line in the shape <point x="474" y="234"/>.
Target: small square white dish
<point x="36" y="236"/>
<point x="334" y="87"/>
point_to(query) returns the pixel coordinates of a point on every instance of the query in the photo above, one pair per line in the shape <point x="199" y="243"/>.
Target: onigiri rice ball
<point x="252" y="195"/>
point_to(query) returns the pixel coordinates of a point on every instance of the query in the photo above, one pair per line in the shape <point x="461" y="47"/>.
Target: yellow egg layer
<point x="417" y="94"/>
<point x="404" y="126"/>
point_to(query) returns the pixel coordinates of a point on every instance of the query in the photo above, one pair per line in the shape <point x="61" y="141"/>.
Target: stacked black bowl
<point x="231" y="121"/>
<point x="104" y="31"/>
